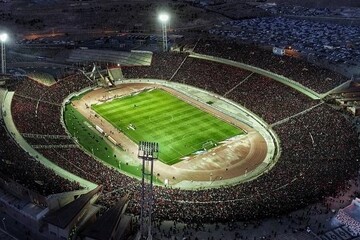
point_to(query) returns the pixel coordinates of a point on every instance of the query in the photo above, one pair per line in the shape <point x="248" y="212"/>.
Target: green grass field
<point x="88" y="137"/>
<point x="94" y="143"/>
<point x="179" y="127"/>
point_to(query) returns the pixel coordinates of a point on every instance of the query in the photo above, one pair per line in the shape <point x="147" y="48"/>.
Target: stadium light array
<point x="3" y="39"/>
<point x="164" y="19"/>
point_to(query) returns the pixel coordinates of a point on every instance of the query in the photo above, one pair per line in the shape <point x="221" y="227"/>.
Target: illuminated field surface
<point x="180" y="128"/>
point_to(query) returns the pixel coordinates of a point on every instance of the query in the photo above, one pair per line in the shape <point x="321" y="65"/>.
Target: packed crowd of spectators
<point x="319" y="152"/>
<point x="314" y="77"/>
<point x="256" y="92"/>
<point x="45" y="140"/>
<point x="30" y="89"/>
<point x="307" y="170"/>
<point x="18" y="166"/>
<point x="57" y="92"/>
<point x="212" y="76"/>
<point x="277" y="102"/>
<point x="42" y="105"/>
<point x="41" y="117"/>
<point x="163" y="66"/>
<point x="84" y="165"/>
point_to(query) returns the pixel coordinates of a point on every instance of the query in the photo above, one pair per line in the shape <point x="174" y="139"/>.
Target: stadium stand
<point x="245" y="88"/>
<point x="42" y="104"/>
<point x="45" y="140"/>
<point x="212" y="76"/>
<point x="85" y="166"/>
<point x="30" y="89"/>
<point x="275" y="103"/>
<point x="314" y="77"/>
<point x="163" y="66"/>
<point x="319" y="147"/>
<point x="45" y="114"/>
<point x="18" y="166"/>
<point x="57" y="92"/>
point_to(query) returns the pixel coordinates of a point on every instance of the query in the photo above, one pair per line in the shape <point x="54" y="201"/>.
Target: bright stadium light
<point x="164" y="19"/>
<point x="3" y="38"/>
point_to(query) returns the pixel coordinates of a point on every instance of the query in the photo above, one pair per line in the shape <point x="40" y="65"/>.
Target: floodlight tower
<point x="3" y="38"/>
<point x="164" y="19"/>
<point x="148" y="152"/>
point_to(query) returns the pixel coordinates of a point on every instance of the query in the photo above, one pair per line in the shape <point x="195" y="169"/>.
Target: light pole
<point x="3" y="38"/>
<point x="164" y="19"/>
<point x="3" y="221"/>
<point x="148" y="151"/>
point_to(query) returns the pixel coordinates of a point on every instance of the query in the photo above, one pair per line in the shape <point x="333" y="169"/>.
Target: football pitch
<point x="180" y="128"/>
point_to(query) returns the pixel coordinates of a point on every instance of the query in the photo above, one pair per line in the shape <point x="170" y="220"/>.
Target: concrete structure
<point x="350" y="216"/>
<point x="113" y="224"/>
<point x="66" y="221"/>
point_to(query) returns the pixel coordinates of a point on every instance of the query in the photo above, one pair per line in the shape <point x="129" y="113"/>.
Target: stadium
<point x="246" y="133"/>
<point x="307" y="164"/>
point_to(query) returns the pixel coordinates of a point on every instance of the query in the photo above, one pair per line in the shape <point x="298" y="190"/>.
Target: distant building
<point x="51" y="217"/>
<point x="350" y="216"/>
<point x="278" y="51"/>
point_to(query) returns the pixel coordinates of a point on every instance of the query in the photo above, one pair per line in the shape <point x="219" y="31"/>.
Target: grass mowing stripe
<point x="129" y="101"/>
<point x="138" y="121"/>
<point x="179" y="127"/>
<point x="93" y="142"/>
<point x="146" y="107"/>
<point x="88" y="136"/>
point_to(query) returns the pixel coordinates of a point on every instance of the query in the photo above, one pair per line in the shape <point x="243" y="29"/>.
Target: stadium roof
<point x="63" y="216"/>
<point x="103" y="227"/>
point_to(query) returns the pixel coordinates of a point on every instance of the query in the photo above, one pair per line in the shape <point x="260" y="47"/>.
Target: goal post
<point x="208" y="145"/>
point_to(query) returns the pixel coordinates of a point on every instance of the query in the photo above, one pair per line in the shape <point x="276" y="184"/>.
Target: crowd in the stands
<point x="42" y="105"/>
<point x="255" y="92"/>
<point x="314" y="77"/>
<point x="163" y="66"/>
<point x="45" y="140"/>
<point x="41" y="117"/>
<point x="212" y="76"/>
<point x="18" y="166"/>
<point x="319" y="149"/>
<point x="319" y="152"/>
<point x="57" y="92"/>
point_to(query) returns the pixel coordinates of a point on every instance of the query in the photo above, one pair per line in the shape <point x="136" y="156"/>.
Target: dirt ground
<point x="233" y="158"/>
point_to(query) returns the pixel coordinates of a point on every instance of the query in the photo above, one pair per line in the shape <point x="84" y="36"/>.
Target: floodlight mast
<point x="3" y="38"/>
<point x="148" y="152"/>
<point x="164" y="19"/>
